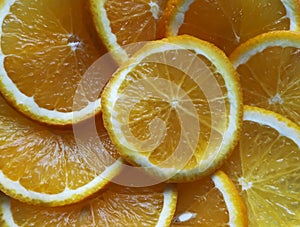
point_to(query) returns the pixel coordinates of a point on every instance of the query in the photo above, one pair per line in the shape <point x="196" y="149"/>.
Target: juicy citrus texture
<point x="45" y="48"/>
<point x="120" y="23"/>
<point x="211" y="201"/>
<point x="43" y="165"/>
<point x="174" y="108"/>
<point x="114" y="206"/>
<point x="227" y="23"/>
<point x="269" y="70"/>
<point x="265" y="168"/>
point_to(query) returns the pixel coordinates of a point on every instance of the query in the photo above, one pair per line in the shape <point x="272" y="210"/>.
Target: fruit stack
<point x="150" y="113"/>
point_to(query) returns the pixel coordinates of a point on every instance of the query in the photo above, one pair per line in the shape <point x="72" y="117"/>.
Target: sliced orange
<point x="120" y="23"/>
<point x="269" y="70"/>
<point x="48" y="166"/>
<point x="212" y="201"/>
<point x="46" y="47"/>
<point x="227" y="23"/>
<point x="174" y="108"/>
<point x="265" y="168"/>
<point x="113" y="206"/>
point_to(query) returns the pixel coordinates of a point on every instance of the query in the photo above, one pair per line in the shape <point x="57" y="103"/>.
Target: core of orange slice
<point x="46" y="46"/>
<point x="48" y="166"/>
<point x="265" y="168"/>
<point x="113" y="206"/>
<point x="211" y="201"/>
<point x="227" y="23"/>
<point x="174" y="108"/>
<point x="269" y="70"/>
<point x="120" y="23"/>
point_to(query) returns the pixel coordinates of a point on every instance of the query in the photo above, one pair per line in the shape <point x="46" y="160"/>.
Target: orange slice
<point x="48" y="166"/>
<point x="120" y="23"/>
<point x="269" y="70"/>
<point x="265" y="168"/>
<point x="174" y="108"/>
<point x="212" y="201"/>
<point x="45" y="49"/>
<point x="227" y="23"/>
<point x="113" y="206"/>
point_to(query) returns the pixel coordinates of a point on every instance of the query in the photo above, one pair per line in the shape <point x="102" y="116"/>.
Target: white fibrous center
<point x="174" y="103"/>
<point x="245" y="184"/>
<point x="74" y="42"/>
<point x="275" y="99"/>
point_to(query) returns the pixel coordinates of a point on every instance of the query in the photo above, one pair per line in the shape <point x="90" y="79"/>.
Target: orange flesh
<point x="133" y="21"/>
<point x="265" y="169"/>
<point x="48" y="160"/>
<point x="204" y="202"/>
<point x="271" y="80"/>
<point x="149" y="108"/>
<point x="114" y="206"/>
<point x="49" y="44"/>
<point x="229" y="23"/>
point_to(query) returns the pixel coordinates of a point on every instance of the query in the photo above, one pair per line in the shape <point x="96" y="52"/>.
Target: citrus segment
<point x="211" y="201"/>
<point x="229" y="23"/>
<point x="269" y="70"/>
<point x="150" y="206"/>
<point x="265" y="168"/>
<point x="43" y="165"/>
<point x="174" y="108"/>
<point x="120" y="23"/>
<point x="45" y="49"/>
